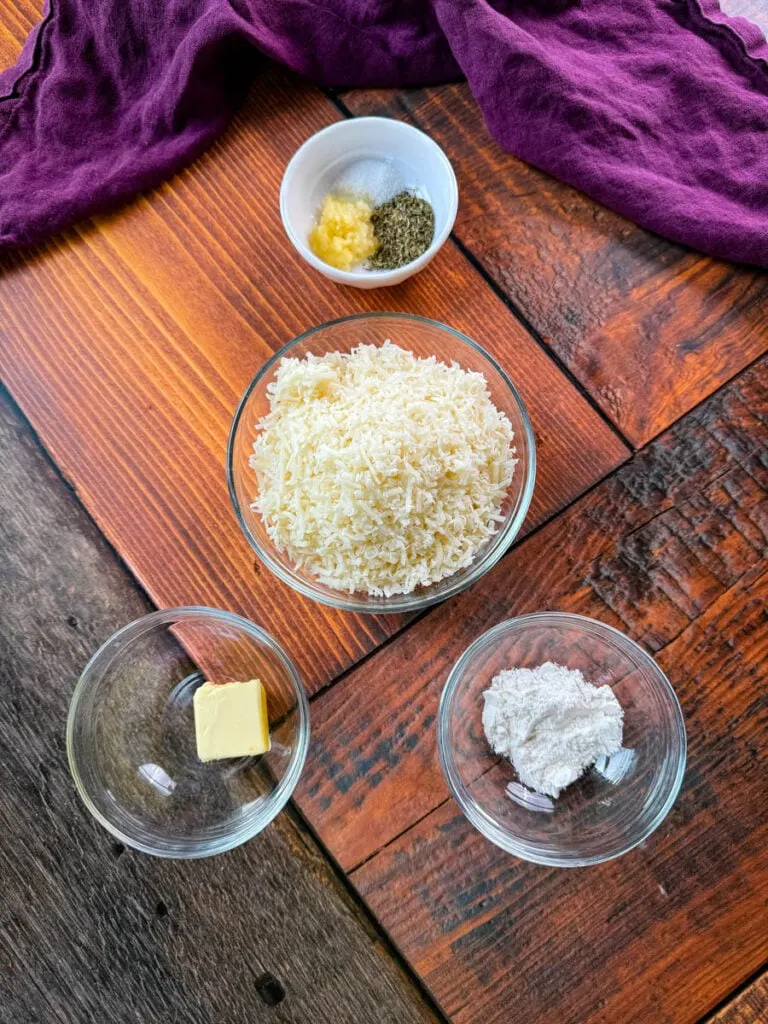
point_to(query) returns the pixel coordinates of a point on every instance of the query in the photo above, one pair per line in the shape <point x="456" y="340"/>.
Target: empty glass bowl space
<point x="131" y="733"/>
<point x="424" y="338"/>
<point x="617" y="803"/>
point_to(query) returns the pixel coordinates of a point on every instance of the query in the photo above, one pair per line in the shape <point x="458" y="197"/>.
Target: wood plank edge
<point x="312" y="845"/>
<point x="513" y="547"/>
<point x="720" y="1011"/>
<point x="477" y="264"/>
<point x="348" y="893"/>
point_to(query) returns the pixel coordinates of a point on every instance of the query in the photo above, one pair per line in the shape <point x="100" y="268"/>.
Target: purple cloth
<point x="657" y="108"/>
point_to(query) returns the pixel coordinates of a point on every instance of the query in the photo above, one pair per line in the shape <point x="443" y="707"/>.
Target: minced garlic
<point x="343" y="235"/>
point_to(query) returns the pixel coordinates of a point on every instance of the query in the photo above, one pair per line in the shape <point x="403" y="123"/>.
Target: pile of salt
<point x="378" y="181"/>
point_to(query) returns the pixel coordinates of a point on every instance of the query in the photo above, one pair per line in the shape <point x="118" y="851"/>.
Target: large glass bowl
<point x="424" y="338"/>
<point x="616" y="804"/>
<point x="131" y="733"/>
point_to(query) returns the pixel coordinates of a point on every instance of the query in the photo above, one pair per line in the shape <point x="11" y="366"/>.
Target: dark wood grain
<point x="749" y="1007"/>
<point x="92" y="932"/>
<point x="648" y="551"/>
<point x="648" y="327"/>
<point x="673" y="550"/>
<point x="129" y="342"/>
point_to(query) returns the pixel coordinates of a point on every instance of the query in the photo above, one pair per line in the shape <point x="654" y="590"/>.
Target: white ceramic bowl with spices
<point x="310" y="175"/>
<point x="617" y="803"/>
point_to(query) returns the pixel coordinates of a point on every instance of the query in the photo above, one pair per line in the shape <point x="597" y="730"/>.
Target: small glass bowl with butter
<point x="136" y="730"/>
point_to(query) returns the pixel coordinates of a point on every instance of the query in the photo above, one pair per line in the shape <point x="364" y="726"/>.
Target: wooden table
<point x="125" y="345"/>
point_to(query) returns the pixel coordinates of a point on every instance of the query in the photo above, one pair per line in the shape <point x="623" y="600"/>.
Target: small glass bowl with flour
<point x="561" y="739"/>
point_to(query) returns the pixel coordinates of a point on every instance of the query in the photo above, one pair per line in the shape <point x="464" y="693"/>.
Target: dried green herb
<point x="404" y="228"/>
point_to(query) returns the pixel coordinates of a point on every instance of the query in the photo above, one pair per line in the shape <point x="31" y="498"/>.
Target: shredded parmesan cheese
<point x="379" y="471"/>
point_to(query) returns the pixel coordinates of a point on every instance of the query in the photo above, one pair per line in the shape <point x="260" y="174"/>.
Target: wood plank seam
<point x="510" y="304"/>
<point x="68" y="483"/>
<point x="528" y="536"/>
<point x="647" y="326"/>
<point x="760" y="975"/>
<point x="303" y="828"/>
<point x="368" y="916"/>
<point x="637" y="561"/>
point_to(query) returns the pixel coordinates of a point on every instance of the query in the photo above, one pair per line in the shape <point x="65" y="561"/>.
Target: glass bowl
<point x="424" y="338"/>
<point x="618" y="802"/>
<point x="131" y="734"/>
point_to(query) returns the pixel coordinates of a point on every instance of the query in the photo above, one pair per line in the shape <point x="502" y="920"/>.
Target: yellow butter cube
<point x="231" y="720"/>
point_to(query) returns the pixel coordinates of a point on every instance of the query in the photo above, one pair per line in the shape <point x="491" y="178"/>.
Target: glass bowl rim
<point x="87" y="683"/>
<point x="482" y="821"/>
<point x="398" y="602"/>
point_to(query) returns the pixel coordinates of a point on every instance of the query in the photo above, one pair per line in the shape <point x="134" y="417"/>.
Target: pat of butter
<point x="231" y="720"/>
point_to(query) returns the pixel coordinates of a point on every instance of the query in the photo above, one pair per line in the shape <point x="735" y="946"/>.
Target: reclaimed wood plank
<point x="90" y="931"/>
<point x="666" y="932"/>
<point x="661" y="934"/>
<point x="649" y="551"/>
<point x="648" y="327"/>
<point x="748" y="1007"/>
<point x="129" y="342"/>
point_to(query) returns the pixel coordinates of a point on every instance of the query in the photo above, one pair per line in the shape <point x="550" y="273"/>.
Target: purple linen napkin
<point x="657" y="108"/>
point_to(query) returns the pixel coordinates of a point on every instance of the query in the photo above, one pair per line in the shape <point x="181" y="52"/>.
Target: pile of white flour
<point x="551" y="724"/>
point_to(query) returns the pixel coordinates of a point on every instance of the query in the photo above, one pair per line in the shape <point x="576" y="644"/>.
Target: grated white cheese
<point x="379" y="471"/>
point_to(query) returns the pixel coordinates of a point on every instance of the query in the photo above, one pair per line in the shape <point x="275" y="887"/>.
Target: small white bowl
<point x="318" y="162"/>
